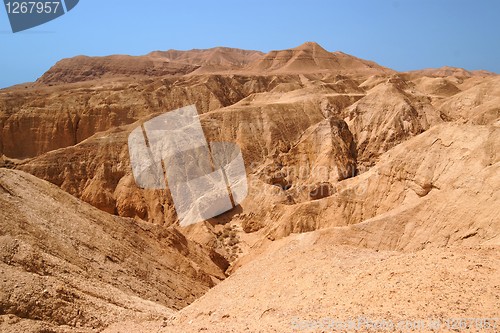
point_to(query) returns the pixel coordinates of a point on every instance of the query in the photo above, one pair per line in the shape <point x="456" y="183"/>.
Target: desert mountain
<point x="310" y="57"/>
<point x="357" y="174"/>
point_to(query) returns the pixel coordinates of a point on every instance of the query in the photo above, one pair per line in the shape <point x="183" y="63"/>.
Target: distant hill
<point x="310" y="57"/>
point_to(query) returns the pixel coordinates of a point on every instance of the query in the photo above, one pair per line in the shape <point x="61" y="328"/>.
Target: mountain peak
<point x="311" y="57"/>
<point x="313" y="46"/>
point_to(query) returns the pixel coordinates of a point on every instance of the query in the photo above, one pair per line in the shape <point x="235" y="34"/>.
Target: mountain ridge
<point x="306" y="58"/>
<point x="309" y="57"/>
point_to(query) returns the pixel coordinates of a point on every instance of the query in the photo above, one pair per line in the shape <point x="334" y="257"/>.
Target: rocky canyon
<point x="372" y="193"/>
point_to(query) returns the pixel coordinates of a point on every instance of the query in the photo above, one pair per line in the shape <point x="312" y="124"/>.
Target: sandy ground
<point x="306" y="284"/>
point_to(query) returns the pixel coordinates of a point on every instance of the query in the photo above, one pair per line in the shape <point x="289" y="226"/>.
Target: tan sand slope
<point x="306" y="283"/>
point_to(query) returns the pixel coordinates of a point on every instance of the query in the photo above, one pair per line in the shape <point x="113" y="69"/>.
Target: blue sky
<point x="401" y="34"/>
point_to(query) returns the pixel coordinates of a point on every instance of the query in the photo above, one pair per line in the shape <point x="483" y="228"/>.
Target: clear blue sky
<point x="401" y="34"/>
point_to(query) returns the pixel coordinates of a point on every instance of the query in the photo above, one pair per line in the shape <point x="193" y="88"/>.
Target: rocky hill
<point x="310" y="58"/>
